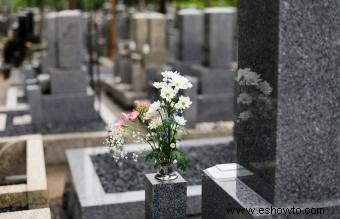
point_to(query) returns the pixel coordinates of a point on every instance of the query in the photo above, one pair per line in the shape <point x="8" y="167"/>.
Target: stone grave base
<point x="122" y="93"/>
<point x="68" y="108"/>
<point x="229" y="192"/>
<point x="211" y="80"/>
<point x="216" y="87"/>
<point x="213" y="108"/>
<point x="89" y="195"/>
<point x="23" y="171"/>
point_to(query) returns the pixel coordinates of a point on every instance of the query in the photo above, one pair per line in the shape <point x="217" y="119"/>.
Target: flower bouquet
<point x="159" y="124"/>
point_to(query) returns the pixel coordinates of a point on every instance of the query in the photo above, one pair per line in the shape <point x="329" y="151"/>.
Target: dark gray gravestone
<point x="51" y="38"/>
<point x="165" y="200"/>
<point x="122" y="22"/>
<point x="125" y="69"/>
<point x="213" y="80"/>
<point x="191" y="114"/>
<point x="190" y="36"/>
<point x="69" y="38"/>
<point x="291" y="146"/>
<point x="153" y="74"/>
<point x="220" y="27"/>
<point x="34" y="95"/>
<point x="138" y="77"/>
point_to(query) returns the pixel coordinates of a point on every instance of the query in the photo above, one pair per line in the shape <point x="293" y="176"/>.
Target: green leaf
<point x="181" y="159"/>
<point x="150" y="156"/>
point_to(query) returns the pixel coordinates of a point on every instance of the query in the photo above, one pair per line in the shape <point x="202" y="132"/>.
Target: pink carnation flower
<point x="133" y="115"/>
<point x="119" y="124"/>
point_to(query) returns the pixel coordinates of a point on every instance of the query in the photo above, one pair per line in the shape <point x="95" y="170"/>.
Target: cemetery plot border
<point x="87" y="198"/>
<point x="33" y="193"/>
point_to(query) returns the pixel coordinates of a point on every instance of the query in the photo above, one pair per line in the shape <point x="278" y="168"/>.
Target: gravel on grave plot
<point x="129" y="175"/>
<point x="14" y="130"/>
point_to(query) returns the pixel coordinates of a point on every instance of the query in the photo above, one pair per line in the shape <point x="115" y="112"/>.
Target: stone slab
<point x="122" y="93"/>
<point x="43" y="213"/>
<point x="165" y="199"/>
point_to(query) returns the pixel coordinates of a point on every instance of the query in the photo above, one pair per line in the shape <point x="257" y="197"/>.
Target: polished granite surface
<point x="292" y="147"/>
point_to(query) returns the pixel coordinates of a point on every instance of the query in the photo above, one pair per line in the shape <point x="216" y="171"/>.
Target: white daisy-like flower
<point x="180" y="120"/>
<point x="153" y="108"/>
<point x="244" y="98"/>
<point x="167" y="93"/>
<point x="265" y="88"/>
<point x="180" y="82"/>
<point x="146" y="49"/>
<point x="245" y="115"/>
<point x="248" y="77"/>
<point x="167" y="75"/>
<point x="172" y="145"/>
<point x="183" y="103"/>
<point x="155" y="123"/>
<point x="132" y="45"/>
<point x="159" y="85"/>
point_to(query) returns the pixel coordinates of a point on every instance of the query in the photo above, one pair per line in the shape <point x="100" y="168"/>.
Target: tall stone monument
<point x="291" y="147"/>
<point x="206" y="52"/>
<point x="147" y="45"/>
<point x="191" y="38"/>
<point x="70" y="101"/>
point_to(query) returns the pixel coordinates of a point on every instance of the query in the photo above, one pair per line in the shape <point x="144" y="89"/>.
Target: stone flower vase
<point x="166" y="173"/>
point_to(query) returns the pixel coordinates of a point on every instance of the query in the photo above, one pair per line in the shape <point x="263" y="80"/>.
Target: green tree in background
<point x="97" y="4"/>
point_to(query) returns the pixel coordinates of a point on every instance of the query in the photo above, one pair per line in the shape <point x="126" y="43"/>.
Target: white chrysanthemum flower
<point x="245" y="115"/>
<point x="159" y="85"/>
<point x="245" y="99"/>
<point x="168" y="93"/>
<point x="132" y="45"/>
<point x="146" y="49"/>
<point x="265" y="88"/>
<point x="180" y="82"/>
<point x="172" y="145"/>
<point x="180" y="120"/>
<point x="248" y="77"/>
<point x="183" y="103"/>
<point x="167" y="75"/>
<point x="155" y="123"/>
<point x="153" y="108"/>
